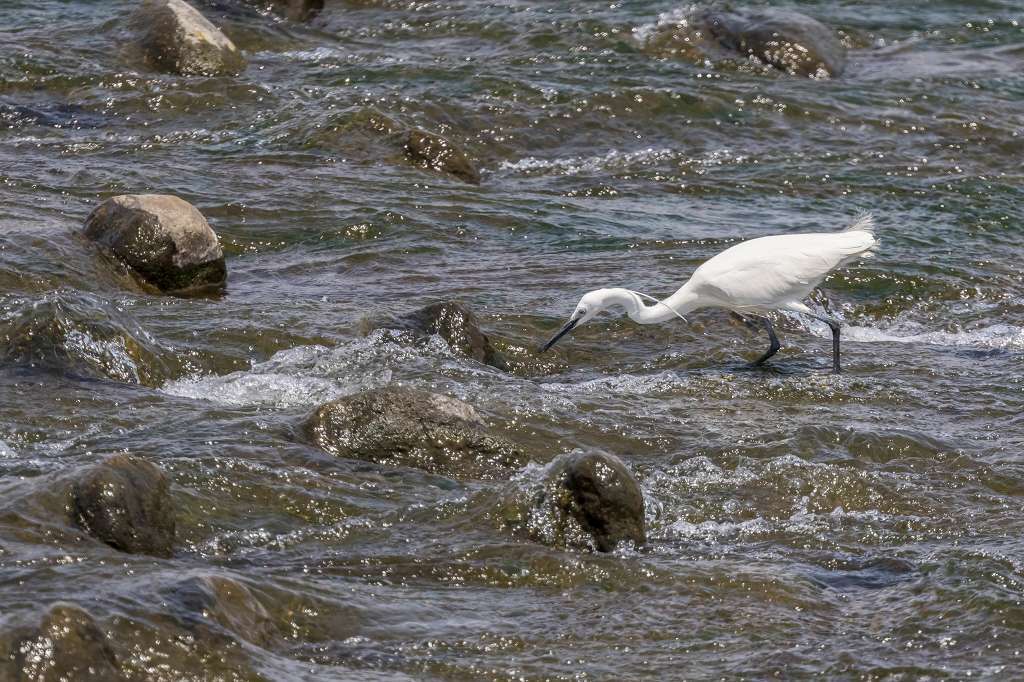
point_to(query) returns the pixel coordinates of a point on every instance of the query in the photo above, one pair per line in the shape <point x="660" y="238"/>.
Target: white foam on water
<point x="310" y="375"/>
<point x="622" y="384"/>
<point x="616" y="160"/>
<point x="906" y="331"/>
<point x="612" y="160"/>
<point x="995" y="336"/>
<point x="242" y="389"/>
<point x="6" y="450"/>
<point x="672" y="17"/>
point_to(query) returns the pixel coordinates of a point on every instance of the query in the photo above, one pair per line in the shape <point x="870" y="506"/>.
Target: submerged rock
<point x="177" y="38"/>
<point x="428" y="150"/>
<point x="454" y="322"/>
<point x="82" y="335"/>
<point x="212" y="604"/>
<point x="162" y="239"/>
<point x="582" y="500"/>
<point x="789" y="41"/>
<point x="297" y="10"/>
<point x="402" y="426"/>
<point x="126" y="502"/>
<point x="67" y="645"/>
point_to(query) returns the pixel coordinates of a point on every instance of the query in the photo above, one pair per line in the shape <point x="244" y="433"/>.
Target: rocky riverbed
<point x="272" y="278"/>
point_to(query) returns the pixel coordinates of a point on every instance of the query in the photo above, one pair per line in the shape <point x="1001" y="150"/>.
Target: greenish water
<point x="861" y="526"/>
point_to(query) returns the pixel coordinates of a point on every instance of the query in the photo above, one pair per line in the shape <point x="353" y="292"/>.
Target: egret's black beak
<point x="565" y="330"/>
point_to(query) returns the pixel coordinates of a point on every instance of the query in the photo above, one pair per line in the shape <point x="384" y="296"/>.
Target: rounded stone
<point x="126" y="502"/>
<point x="79" y="334"/>
<point x="67" y="645"/>
<point x="177" y="38"/>
<point x="789" y="41"/>
<point x="213" y="605"/>
<point x="582" y="500"/>
<point x="432" y="151"/>
<point x="297" y="10"/>
<point x="402" y="426"/>
<point x="454" y="322"/>
<point x="164" y="240"/>
<point x="601" y="493"/>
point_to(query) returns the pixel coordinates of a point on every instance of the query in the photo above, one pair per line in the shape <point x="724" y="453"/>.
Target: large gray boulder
<point x="163" y="240"/>
<point x="589" y="501"/>
<point x="787" y="40"/>
<point x="66" y="645"/>
<point x="175" y="37"/>
<point x="126" y="502"/>
<point x="402" y="426"/>
<point x="429" y="150"/>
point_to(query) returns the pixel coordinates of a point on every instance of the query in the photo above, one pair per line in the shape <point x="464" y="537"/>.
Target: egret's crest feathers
<point x="658" y="301"/>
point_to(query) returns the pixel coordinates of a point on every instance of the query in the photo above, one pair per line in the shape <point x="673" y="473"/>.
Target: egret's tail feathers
<point x="865" y="222"/>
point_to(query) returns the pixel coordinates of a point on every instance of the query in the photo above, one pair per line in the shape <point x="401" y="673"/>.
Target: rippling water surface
<point x="866" y="525"/>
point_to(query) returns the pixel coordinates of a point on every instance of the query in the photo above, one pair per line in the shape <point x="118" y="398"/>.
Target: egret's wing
<point x="772" y="270"/>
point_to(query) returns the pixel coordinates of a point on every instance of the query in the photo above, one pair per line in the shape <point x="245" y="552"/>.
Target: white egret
<point x="754" y="277"/>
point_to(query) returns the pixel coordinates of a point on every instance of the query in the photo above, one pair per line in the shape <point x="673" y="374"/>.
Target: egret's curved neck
<point x="671" y="308"/>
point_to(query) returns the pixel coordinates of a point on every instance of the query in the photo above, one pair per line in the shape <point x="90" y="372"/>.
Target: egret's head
<point x="590" y="305"/>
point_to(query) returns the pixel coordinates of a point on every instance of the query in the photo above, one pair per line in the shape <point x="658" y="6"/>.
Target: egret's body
<point x="754" y="277"/>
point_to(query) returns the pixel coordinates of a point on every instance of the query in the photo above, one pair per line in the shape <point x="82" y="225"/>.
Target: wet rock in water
<point x="406" y="427"/>
<point x="360" y="134"/>
<point x="522" y="359"/>
<point x="177" y="38"/>
<point x="54" y="116"/>
<point x="297" y="10"/>
<point x="67" y="645"/>
<point x="216" y="605"/>
<point x="126" y="502"/>
<point x="428" y="150"/>
<point x="584" y="500"/>
<point x="789" y="41"/>
<point x="454" y="322"/>
<point x="162" y="239"/>
<point x="82" y="335"/>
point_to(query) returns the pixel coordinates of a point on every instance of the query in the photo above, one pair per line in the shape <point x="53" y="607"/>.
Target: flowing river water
<point x="866" y="525"/>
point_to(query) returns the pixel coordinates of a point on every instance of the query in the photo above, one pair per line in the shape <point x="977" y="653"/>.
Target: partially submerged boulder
<point x="787" y="40"/>
<point x="67" y="645"/>
<point x="126" y="502"/>
<point x="402" y="426"/>
<point x="581" y="500"/>
<point x="213" y="605"/>
<point x="165" y="241"/>
<point x="429" y="150"/>
<point x="454" y="322"/>
<point x="80" y="334"/>
<point x="296" y="10"/>
<point x="177" y="38"/>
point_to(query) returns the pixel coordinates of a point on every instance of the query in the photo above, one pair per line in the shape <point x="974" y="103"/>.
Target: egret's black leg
<point x="833" y="324"/>
<point x="773" y="345"/>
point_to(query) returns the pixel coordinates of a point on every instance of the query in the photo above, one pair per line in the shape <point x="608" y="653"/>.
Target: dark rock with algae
<point x="583" y="500"/>
<point x="402" y="426"/>
<point x="789" y="41"/>
<point x="125" y="502"/>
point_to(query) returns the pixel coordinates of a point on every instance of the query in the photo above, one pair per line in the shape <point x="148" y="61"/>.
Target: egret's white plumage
<point x="753" y="277"/>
